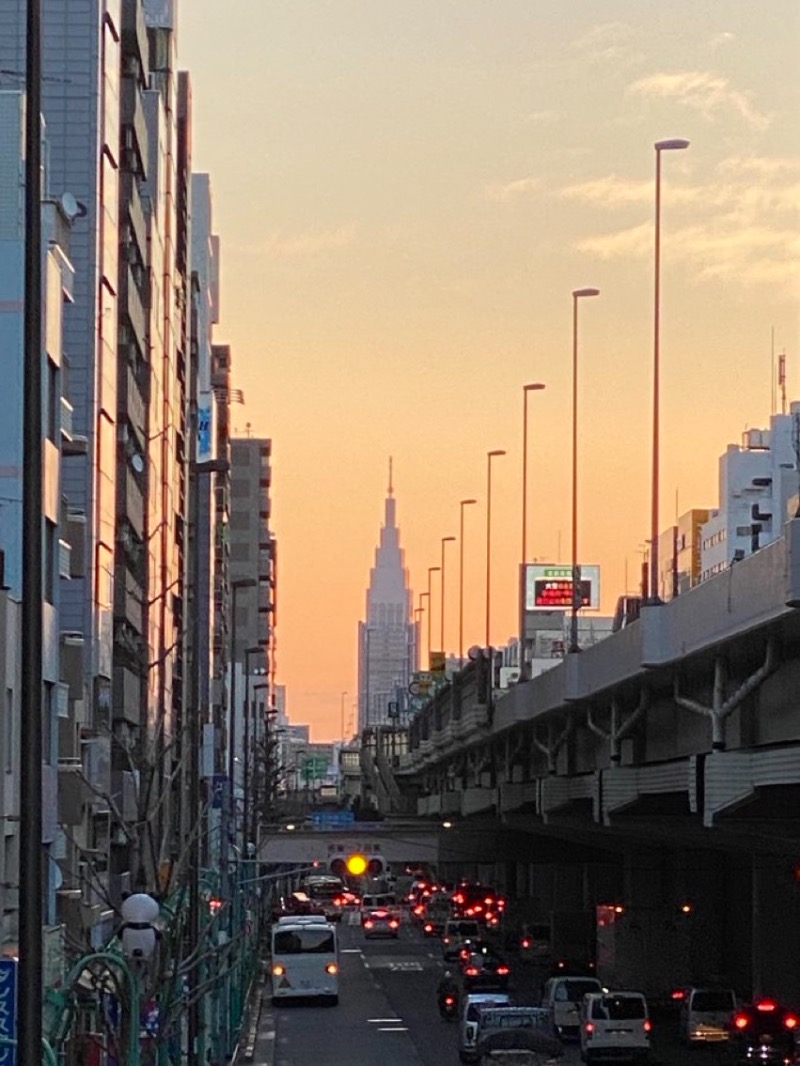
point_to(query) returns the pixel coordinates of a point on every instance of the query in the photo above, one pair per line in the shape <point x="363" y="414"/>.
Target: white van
<point x="706" y="1015"/>
<point x="471" y="1006"/>
<point x="615" y="1025"/>
<point x="562" y="996"/>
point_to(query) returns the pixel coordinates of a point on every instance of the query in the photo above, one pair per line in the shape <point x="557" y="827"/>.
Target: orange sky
<point x="406" y="194"/>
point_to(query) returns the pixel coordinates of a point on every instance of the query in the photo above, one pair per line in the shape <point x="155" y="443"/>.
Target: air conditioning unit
<point x="509" y="675"/>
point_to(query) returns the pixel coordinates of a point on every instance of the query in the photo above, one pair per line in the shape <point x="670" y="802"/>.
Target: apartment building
<point x="57" y="284"/>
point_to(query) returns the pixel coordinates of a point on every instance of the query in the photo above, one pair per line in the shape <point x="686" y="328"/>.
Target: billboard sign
<point x="548" y="587"/>
<point x="8" y="1010"/>
<point x="205" y="428"/>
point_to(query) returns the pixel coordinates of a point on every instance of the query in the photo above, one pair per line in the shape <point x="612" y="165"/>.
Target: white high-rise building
<point x="387" y="639"/>
<point x="756" y="481"/>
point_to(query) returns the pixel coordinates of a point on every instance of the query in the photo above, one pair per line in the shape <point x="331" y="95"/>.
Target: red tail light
<point x="790" y="1021"/>
<point x="449" y="1001"/>
<point x="648" y="1025"/>
<point x="766" y="1005"/>
<point x="419" y="910"/>
<point x="678" y="994"/>
<point x="471" y="971"/>
<point x="589" y="1028"/>
<point x="393" y="924"/>
<point x="503" y="971"/>
<point x="368" y="924"/>
<point x="526" y="943"/>
<point x="741" y="1021"/>
<point x="427" y="927"/>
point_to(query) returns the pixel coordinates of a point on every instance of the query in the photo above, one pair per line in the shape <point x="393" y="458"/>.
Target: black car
<point x="765" y="1032"/>
<point x="484" y="972"/>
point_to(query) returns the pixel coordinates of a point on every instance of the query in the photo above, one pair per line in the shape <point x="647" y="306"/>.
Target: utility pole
<point x="31" y="863"/>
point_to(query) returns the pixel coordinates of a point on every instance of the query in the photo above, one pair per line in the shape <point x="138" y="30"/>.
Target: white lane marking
<point x="377" y="1021"/>
<point x="397" y="1029"/>
<point x="350" y="951"/>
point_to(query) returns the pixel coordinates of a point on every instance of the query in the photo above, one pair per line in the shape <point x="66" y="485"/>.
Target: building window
<point x="8" y="731"/>
<point x="47" y="722"/>
<point x="53" y="402"/>
<point x="49" y="561"/>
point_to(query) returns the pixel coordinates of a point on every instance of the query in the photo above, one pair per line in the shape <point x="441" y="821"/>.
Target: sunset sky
<point x="407" y="191"/>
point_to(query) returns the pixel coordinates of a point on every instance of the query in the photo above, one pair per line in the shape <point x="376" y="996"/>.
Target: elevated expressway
<point x="671" y="748"/>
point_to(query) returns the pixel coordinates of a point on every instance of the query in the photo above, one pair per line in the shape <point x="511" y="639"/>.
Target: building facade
<point x="387" y="638"/>
<point x="756" y="481"/>
<point x="57" y="288"/>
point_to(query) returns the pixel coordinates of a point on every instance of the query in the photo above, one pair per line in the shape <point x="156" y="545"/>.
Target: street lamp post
<point x="248" y="652"/>
<point x="489" y="456"/>
<point x="418" y="612"/>
<point x="534" y="387"/>
<point x="195" y="1033"/>
<point x="674" y="144"/>
<point x="574" y="646"/>
<point x="341" y="715"/>
<point x="462" y="504"/>
<point x="445" y="540"/>
<point x="431" y="570"/>
<point x="228" y="809"/>
<point x="256" y="775"/>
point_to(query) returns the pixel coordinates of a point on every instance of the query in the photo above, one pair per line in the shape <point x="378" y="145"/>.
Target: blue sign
<point x="204" y="427"/>
<point x="8" y="1010"/>
<point x="332" y="819"/>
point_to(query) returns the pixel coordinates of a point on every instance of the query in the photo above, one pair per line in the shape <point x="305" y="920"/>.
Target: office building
<point x="387" y="638"/>
<point x="58" y="563"/>
<point x="756" y="481"/>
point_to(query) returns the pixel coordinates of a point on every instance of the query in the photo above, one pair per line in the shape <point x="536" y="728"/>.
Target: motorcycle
<point x="448" y="1006"/>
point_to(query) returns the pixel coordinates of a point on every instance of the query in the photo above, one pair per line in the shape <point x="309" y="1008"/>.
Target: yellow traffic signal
<point x="356" y="865"/>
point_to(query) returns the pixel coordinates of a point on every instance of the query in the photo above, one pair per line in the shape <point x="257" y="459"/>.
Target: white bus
<point x="305" y="958"/>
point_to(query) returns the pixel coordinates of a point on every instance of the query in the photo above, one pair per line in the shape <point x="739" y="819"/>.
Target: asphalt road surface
<point x="387" y="1014"/>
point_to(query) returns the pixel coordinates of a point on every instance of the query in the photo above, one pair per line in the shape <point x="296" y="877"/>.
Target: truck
<point x="561" y="940"/>
<point x="645" y="949"/>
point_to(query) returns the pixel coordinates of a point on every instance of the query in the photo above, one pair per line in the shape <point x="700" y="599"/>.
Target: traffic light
<point x="357" y="865"/>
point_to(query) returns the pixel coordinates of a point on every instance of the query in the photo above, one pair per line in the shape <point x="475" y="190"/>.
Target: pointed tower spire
<point x="391" y="488"/>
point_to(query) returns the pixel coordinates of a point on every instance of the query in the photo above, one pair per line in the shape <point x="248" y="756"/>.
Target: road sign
<point x="8" y="1009"/>
<point x="314" y="767"/>
<point x="438" y="662"/>
<point x="332" y="819"/>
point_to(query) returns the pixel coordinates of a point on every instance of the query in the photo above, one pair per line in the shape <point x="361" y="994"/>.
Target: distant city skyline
<point x="425" y="184"/>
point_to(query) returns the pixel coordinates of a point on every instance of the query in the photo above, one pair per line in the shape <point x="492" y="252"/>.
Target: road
<point x="387" y="1012"/>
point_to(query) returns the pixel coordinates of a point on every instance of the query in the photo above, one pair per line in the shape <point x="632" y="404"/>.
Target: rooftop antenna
<point x="391" y="488"/>
<point x="782" y="380"/>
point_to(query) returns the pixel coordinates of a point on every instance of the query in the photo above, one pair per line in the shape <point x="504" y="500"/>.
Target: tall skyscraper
<point x="387" y="639"/>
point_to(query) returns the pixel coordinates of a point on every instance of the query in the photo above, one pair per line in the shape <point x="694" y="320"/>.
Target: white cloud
<point x="282" y="245"/>
<point x="710" y="94"/>
<point x="609" y="42"/>
<point x="719" y="40"/>
<point x="503" y="191"/>
<point x="745" y="228"/>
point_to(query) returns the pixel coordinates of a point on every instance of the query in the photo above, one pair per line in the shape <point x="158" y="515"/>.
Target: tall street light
<point x="462" y="504"/>
<point x="228" y="808"/>
<point x="489" y="456"/>
<point x="31" y="877"/>
<point x="445" y="540"/>
<point x="196" y="1035"/>
<point x="418" y="613"/>
<point x="248" y="653"/>
<point x="534" y="387"/>
<point x="431" y="570"/>
<point x="675" y="144"/>
<point x="577" y="294"/>
<point x="343" y="696"/>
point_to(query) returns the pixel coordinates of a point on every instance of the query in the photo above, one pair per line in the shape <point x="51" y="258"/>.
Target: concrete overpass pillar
<point x="776" y="928"/>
